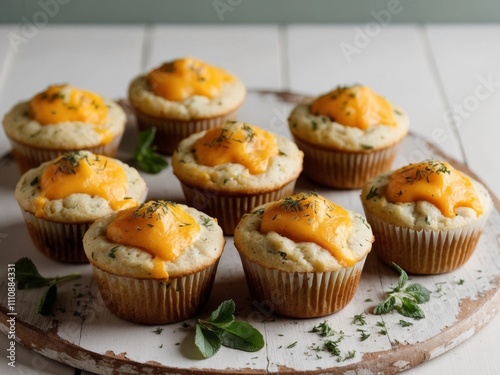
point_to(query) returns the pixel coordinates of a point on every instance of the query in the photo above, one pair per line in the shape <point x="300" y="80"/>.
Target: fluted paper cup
<point x="302" y="294"/>
<point x="345" y="169"/>
<point x="229" y="208"/>
<point x="155" y="301"/>
<point x="28" y="157"/>
<point x="425" y="251"/>
<point x="61" y="242"/>
<point x="169" y="132"/>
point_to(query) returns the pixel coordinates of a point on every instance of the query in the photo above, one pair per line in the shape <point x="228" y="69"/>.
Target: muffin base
<point x="153" y="301"/>
<point x="169" y="132"/>
<point x="229" y="208"/>
<point x="425" y="252"/>
<point x="28" y="157"/>
<point x="302" y="294"/>
<point x="61" y="242"/>
<point x="345" y="169"/>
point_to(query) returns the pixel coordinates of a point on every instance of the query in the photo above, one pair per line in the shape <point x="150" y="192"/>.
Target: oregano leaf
<point x="242" y="336"/>
<point x="207" y="341"/>
<point x="48" y="300"/>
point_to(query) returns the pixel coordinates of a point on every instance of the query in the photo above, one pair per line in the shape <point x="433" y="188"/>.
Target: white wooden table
<point x="447" y="77"/>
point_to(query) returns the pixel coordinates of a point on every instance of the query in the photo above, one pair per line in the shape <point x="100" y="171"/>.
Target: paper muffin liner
<point x="426" y="252"/>
<point x="169" y="132"/>
<point x="345" y="169"/>
<point x="229" y="208"/>
<point x="28" y="157"/>
<point x="302" y="294"/>
<point x="155" y="301"/>
<point x="61" y="242"/>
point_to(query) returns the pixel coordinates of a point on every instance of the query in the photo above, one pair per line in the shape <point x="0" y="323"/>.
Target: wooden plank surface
<point x="472" y="86"/>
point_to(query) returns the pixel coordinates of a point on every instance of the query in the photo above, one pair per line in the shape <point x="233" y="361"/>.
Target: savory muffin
<point x="60" y="119"/>
<point x="155" y="263"/>
<point x="303" y="253"/>
<point x="182" y="97"/>
<point x="61" y="198"/>
<point x="348" y="135"/>
<point x="427" y="217"/>
<point x="229" y="170"/>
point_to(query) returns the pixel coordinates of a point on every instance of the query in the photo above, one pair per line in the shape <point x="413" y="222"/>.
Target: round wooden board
<point x="84" y="334"/>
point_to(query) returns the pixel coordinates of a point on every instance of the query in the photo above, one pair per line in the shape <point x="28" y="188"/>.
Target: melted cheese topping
<point x="355" y="106"/>
<point x="65" y="103"/>
<point x="434" y="182"/>
<point x="160" y="228"/>
<point x="183" y="78"/>
<point x="237" y="142"/>
<point x="311" y="218"/>
<point x="74" y="174"/>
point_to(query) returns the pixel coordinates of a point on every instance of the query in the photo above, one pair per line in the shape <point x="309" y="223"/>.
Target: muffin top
<point x="427" y="195"/>
<point x="158" y="239"/>
<point x="350" y="118"/>
<point x="79" y="187"/>
<point x="64" y="117"/>
<point x="303" y="233"/>
<point x="237" y="157"/>
<point x="186" y="89"/>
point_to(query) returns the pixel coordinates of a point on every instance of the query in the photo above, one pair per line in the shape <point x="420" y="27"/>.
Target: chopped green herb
<point x="158" y="330"/>
<point x="404" y="323"/>
<point x="112" y="252"/>
<point x="323" y="329"/>
<point x="372" y="193"/>
<point x="359" y="320"/>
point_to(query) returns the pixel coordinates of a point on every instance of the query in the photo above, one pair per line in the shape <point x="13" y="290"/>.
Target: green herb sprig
<point x="221" y="329"/>
<point x="28" y="277"/>
<point x="145" y="154"/>
<point x="404" y="298"/>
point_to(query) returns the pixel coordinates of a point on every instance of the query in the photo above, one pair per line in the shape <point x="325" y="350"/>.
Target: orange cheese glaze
<point x="96" y="176"/>
<point x="356" y="106"/>
<point x="309" y="217"/>
<point x="160" y="228"/>
<point x="434" y="182"/>
<point x="182" y="78"/>
<point x="65" y="103"/>
<point x="237" y="143"/>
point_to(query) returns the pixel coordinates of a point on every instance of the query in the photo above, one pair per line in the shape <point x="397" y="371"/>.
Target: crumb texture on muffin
<point x="74" y="201"/>
<point x="277" y="251"/>
<point x="435" y="212"/>
<point x="61" y="134"/>
<point x="350" y="129"/>
<point x="204" y="97"/>
<point x="233" y="177"/>
<point x="204" y="247"/>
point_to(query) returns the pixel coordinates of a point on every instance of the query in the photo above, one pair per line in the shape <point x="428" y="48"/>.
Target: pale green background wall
<point x="252" y="11"/>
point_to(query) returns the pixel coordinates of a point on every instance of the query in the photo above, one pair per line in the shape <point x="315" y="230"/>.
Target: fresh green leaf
<point x="222" y="329"/>
<point x="48" y="300"/>
<point x="385" y="306"/>
<point x="224" y="314"/>
<point x="145" y="153"/>
<point x="207" y="341"/>
<point x="410" y="309"/>
<point x="419" y="293"/>
<point x="27" y="276"/>
<point x="403" y="277"/>
<point x="242" y="336"/>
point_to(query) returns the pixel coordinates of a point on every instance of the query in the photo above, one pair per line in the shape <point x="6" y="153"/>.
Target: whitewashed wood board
<point x="84" y="334"/>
